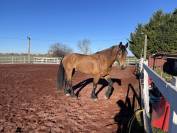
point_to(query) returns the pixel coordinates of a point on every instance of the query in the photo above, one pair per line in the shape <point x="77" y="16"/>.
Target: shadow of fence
<point x="127" y="108"/>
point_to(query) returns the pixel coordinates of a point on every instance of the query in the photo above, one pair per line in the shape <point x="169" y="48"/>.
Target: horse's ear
<point x="126" y="45"/>
<point x="120" y="44"/>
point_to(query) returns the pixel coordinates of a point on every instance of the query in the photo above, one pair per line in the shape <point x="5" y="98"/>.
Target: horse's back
<point x="69" y="59"/>
<point x="73" y="58"/>
<point x="84" y="63"/>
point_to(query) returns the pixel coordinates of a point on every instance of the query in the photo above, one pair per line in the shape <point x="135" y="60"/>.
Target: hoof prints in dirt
<point x="29" y="101"/>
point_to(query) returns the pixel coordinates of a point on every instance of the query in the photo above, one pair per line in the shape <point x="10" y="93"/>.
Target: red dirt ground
<point x="30" y="102"/>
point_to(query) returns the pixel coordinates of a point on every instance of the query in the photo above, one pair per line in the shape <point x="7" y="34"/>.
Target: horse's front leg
<point x="95" y="82"/>
<point x="93" y="94"/>
<point x="110" y="89"/>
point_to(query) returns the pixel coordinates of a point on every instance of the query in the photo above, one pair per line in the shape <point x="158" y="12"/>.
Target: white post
<point x="146" y="101"/>
<point x="173" y="114"/>
<point x="29" y="47"/>
<point x="24" y="59"/>
<point x="141" y="64"/>
<point x="146" y="90"/>
<point x="145" y="46"/>
<point x="12" y="59"/>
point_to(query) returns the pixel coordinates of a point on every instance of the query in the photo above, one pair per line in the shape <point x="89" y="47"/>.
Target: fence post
<point x="141" y="64"/>
<point x="12" y="59"/>
<point x="145" y="92"/>
<point x="173" y="114"/>
<point x="24" y="59"/>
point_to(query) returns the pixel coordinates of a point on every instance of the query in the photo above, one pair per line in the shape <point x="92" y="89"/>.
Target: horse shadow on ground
<point x="127" y="108"/>
<point x="79" y="86"/>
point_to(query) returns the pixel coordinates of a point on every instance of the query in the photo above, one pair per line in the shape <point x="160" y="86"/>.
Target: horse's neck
<point x="113" y="57"/>
<point x="110" y="56"/>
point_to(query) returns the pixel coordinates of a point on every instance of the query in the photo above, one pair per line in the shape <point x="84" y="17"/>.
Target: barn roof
<point x="165" y="55"/>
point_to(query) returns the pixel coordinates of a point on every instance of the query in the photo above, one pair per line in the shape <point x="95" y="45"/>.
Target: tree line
<point x="60" y="50"/>
<point x="161" y="31"/>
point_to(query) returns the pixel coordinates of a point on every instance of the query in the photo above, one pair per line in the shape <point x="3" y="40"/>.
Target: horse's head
<point x="122" y="54"/>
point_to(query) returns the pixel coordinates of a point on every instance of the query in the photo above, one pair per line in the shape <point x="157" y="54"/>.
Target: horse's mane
<point x="110" y="50"/>
<point x="106" y="50"/>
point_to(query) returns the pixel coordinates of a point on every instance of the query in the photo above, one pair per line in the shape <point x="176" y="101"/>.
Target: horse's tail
<point x="60" y="76"/>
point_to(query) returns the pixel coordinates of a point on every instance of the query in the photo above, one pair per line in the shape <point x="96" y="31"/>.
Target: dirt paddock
<point x="30" y="102"/>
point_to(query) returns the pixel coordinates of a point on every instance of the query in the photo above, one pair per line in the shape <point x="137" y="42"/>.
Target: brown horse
<point x="98" y="65"/>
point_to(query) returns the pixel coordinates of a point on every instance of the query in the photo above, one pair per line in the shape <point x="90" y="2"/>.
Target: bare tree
<point x="84" y="46"/>
<point x="59" y="50"/>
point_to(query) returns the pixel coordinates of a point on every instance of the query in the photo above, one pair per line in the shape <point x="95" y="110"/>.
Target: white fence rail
<point x="45" y="60"/>
<point x="168" y="90"/>
<point x="33" y="60"/>
<point x="132" y="60"/>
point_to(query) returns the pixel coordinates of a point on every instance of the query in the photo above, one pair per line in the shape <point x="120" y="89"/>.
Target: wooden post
<point x="29" y="47"/>
<point x="145" y="46"/>
<point x="173" y="114"/>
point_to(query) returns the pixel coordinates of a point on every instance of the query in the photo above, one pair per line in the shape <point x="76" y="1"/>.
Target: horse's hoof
<point x="95" y="99"/>
<point x="67" y="94"/>
<point x="74" y="96"/>
<point x="105" y="97"/>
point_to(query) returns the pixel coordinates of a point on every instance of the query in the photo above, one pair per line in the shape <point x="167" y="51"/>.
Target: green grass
<point x="157" y="130"/>
<point x="164" y="75"/>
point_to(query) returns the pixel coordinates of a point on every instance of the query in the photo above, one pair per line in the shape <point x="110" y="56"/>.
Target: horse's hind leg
<point x="95" y="82"/>
<point x="69" y="88"/>
<point x="110" y="89"/>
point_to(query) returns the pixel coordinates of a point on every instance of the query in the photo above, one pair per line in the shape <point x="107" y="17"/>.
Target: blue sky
<point x="103" y="22"/>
